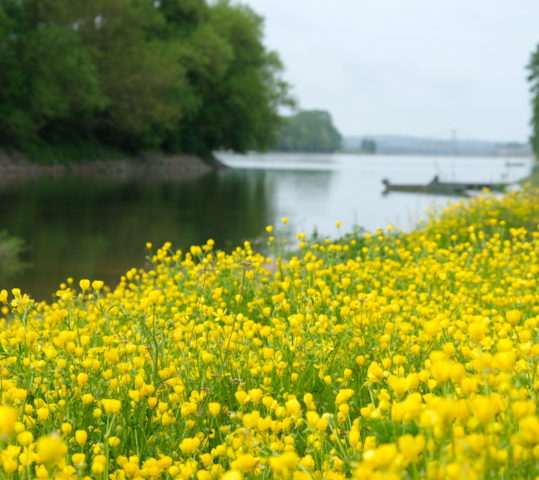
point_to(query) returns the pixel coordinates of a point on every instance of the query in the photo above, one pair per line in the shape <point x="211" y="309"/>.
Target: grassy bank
<point x="86" y="152"/>
<point x="71" y="153"/>
<point x="380" y="356"/>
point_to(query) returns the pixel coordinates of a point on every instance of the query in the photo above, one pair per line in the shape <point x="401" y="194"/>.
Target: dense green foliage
<point x="309" y="131"/>
<point x="176" y="75"/>
<point x="534" y="79"/>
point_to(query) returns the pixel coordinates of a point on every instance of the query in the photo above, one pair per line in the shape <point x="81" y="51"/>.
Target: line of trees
<point x="175" y="75"/>
<point x="368" y="145"/>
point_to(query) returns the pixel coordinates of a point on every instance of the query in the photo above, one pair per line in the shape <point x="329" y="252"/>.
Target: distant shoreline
<point x="390" y="154"/>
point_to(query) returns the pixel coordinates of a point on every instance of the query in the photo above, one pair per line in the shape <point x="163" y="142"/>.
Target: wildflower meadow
<point x="388" y="356"/>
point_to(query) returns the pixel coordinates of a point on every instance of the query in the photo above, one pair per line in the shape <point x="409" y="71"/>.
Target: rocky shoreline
<point x="15" y="167"/>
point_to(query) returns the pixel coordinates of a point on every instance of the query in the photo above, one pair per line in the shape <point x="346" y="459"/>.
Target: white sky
<point x="411" y="67"/>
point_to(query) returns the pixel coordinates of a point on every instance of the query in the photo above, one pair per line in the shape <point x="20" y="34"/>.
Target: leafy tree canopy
<point x="309" y="131"/>
<point x="176" y="75"/>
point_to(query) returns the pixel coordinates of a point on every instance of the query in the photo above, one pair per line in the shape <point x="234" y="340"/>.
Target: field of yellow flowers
<point x="384" y="356"/>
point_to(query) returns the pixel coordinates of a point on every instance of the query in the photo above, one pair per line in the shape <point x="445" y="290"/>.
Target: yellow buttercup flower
<point x="8" y="417"/>
<point x="111" y="405"/>
<point x="50" y="449"/>
<point x="81" y="436"/>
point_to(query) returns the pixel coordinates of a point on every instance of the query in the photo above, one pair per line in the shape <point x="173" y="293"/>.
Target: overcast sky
<point x="412" y="67"/>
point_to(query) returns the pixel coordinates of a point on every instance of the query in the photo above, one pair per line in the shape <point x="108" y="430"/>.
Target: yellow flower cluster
<point x="380" y="356"/>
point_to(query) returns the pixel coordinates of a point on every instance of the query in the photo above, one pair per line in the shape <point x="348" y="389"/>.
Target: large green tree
<point x="178" y="75"/>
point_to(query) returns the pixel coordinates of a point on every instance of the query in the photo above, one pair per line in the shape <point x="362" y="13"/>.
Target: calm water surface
<point x="98" y="229"/>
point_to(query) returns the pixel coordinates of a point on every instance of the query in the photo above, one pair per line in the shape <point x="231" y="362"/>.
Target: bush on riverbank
<point x="11" y="249"/>
<point x="382" y="356"/>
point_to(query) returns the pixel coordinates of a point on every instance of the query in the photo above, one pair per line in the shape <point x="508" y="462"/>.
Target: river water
<point x="97" y="229"/>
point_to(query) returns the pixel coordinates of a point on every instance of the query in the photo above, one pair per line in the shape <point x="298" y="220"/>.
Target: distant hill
<point x="400" y="144"/>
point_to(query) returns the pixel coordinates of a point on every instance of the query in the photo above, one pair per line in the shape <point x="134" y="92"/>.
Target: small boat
<point x="430" y="188"/>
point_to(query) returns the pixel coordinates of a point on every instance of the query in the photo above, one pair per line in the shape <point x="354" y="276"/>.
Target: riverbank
<point x="17" y="167"/>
